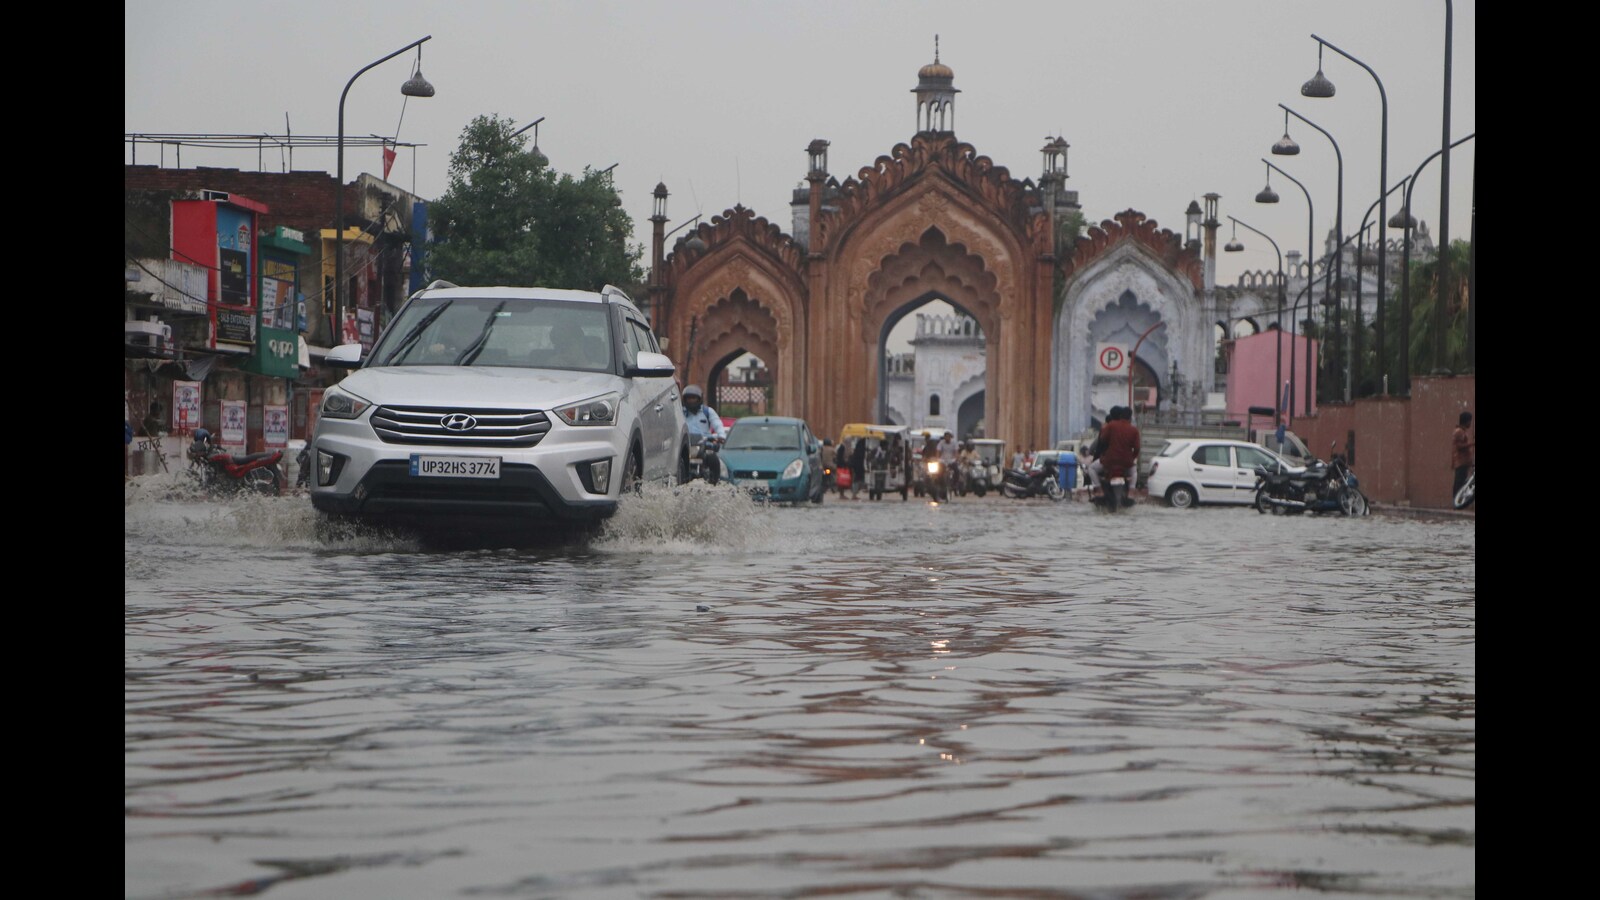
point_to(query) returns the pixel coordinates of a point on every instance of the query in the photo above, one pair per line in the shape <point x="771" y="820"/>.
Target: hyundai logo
<point x="458" y="422"/>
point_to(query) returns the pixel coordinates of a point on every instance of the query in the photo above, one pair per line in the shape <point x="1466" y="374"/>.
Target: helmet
<point x="201" y="435"/>
<point x="693" y="390"/>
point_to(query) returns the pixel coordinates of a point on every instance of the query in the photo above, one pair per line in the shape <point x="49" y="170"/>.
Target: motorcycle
<point x="217" y="469"/>
<point x="1112" y="494"/>
<point x="1041" y="480"/>
<point x="1322" y="487"/>
<point x="698" y="465"/>
<point x="938" y="481"/>
<point x="1468" y="492"/>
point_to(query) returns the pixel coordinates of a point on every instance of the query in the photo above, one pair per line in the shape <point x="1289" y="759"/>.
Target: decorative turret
<point x="936" y="95"/>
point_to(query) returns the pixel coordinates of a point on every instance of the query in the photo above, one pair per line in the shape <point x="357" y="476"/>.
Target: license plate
<point x="425" y="466"/>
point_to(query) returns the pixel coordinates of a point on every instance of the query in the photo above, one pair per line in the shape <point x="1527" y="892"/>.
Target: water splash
<point x="694" y="517"/>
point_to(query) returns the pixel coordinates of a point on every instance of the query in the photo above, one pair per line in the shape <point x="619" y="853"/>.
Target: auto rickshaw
<point x="886" y="473"/>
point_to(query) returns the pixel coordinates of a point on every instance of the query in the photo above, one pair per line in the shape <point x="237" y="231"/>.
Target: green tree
<point x="1424" y="291"/>
<point x="508" y="219"/>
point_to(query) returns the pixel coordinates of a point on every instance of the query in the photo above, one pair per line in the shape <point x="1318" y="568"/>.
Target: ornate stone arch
<point x="731" y="290"/>
<point x="1123" y="262"/>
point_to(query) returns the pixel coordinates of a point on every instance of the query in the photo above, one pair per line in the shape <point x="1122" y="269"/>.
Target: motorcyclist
<point x="706" y="432"/>
<point x="1116" y="452"/>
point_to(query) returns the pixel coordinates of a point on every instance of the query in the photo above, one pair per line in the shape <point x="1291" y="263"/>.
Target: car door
<point x="1244" y="485"/>
<point x="657" y="398"/>
<point x="1212" y="467"/>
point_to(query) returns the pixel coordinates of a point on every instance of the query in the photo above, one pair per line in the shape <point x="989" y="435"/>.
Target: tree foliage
<point x="508" y="219"/>
<point x="1424" y="293"/>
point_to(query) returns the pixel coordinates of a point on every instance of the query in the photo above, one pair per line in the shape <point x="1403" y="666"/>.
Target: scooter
<point x="219" y="470"/>
<point x="1322" y="487"/>
<point x="1468" y="492"/>
<point x="1039" y="481"/>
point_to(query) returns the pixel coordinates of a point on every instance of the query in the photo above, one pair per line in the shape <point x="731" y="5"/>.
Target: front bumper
<point x="545" y="482"/>
<point x="783" y="490"/>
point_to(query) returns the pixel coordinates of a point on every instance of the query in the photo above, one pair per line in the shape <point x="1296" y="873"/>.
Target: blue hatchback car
<point x="776" y="457"/>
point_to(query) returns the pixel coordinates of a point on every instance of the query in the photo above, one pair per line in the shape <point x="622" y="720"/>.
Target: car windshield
<point x="763" y="436"/>
<point x="484" y="331"/>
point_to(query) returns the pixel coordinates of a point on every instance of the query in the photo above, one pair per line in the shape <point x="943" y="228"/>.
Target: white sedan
<point x="1191" y="471"/>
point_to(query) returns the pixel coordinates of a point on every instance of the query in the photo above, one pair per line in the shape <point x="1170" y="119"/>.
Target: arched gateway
<point x="933" y="219"/>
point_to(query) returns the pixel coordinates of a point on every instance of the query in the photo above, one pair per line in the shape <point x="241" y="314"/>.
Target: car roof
<point x="770" y="420"/>
<point x="513" y="293"/>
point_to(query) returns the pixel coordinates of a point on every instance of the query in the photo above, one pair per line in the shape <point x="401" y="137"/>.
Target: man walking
<point x="1461" y="445"/>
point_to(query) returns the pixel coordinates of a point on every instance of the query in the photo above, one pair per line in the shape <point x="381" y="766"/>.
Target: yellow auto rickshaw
<point x="886" y="472"/>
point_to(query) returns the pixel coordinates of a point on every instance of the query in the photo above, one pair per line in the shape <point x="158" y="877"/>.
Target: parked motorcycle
<point x="1041" y="480"/>
<point x="218" y="469"/>
<point x="1464" y="497"/>
<point x="1321" y="487"/>
<point x="699" y="463"/>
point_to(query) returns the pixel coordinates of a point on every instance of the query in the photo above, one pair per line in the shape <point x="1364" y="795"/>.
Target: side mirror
<point x="651" y="365"/>
<point x="344" y="356"/>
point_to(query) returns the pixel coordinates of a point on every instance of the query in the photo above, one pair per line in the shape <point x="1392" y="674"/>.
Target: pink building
<point x="1253" y="367"/>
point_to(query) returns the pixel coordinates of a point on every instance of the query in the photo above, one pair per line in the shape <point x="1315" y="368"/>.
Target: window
<point x="933" y="405"/>
<point x="1250" y="457"/>
<point x="1212" y="455"/>
<point x="630" y="343"/>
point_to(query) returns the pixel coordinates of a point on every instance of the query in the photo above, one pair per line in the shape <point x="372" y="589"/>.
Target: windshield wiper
<point x="471" y="353"/>
<point x="414" y="333"/>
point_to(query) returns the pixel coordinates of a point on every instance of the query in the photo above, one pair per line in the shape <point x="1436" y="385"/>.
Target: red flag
<point x="388" y="161"/>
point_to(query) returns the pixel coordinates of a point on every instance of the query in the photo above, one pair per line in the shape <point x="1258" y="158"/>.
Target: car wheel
<point x="632" y="475"/>
<point x="1181" y="496"/>
<point x="683" y="465"/>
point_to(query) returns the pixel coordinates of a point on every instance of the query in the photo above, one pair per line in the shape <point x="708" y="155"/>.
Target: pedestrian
<point x="1461" y="445"/>
<point x="841" y="463"/>
<point x="858" y="466"/>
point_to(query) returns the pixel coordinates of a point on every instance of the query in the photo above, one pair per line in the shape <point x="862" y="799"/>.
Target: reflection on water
<point x="715" y="698"/>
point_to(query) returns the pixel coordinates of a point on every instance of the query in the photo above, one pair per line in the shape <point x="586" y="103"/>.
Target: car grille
<point x="425" y="425"/>
<point x="755" y="473"/>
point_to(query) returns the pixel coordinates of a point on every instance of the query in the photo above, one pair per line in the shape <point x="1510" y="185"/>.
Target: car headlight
<point x="594" y="411"/>
<point x="794" y="469"/>
<point x="338" y="404"/>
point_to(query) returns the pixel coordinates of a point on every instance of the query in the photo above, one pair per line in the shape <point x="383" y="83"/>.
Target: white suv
<point x="498" y="406"/>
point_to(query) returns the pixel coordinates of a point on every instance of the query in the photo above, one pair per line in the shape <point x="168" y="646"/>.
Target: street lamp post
<point x="415" y="86"/>
<point x="1406" y="222"/>
<point x="1338" y="235"/>
<point x="1235" y="247"/>
<point x="1268" y="196"/>
<point x="1319" y="86"/>
<point x="1383" y="276"/>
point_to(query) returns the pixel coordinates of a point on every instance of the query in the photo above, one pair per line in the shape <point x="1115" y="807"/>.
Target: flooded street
<point x="982" y="698"/>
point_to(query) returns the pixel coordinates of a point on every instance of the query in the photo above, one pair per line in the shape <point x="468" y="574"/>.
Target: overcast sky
<point x="1161" y="100"/>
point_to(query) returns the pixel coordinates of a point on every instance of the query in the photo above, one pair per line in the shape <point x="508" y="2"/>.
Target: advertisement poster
<point x="236" y="326"/>
<point x="351" y="335"/>
<point x="275" y="426"/>
<point x="367" y="325"/>
<point x="233" y="421"/>
<point x="185" y="406"/>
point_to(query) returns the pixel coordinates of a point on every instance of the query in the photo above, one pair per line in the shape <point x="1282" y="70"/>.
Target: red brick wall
<point x="301" y="200"/>
<point x="1402" y="444"/>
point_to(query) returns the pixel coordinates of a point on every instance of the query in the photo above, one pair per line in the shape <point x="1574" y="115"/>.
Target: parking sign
<point x="1111" y="359"/>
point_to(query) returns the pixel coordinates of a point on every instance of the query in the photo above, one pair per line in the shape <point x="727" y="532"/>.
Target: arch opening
<point x="932" y="358"/>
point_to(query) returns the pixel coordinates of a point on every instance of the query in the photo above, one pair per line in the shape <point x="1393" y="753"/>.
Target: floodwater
<point x="986" y="698"/>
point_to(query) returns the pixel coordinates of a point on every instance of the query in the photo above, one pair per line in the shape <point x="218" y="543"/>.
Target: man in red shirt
<point x="1116" y="451"/>
<point x="1461" y="445"/>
